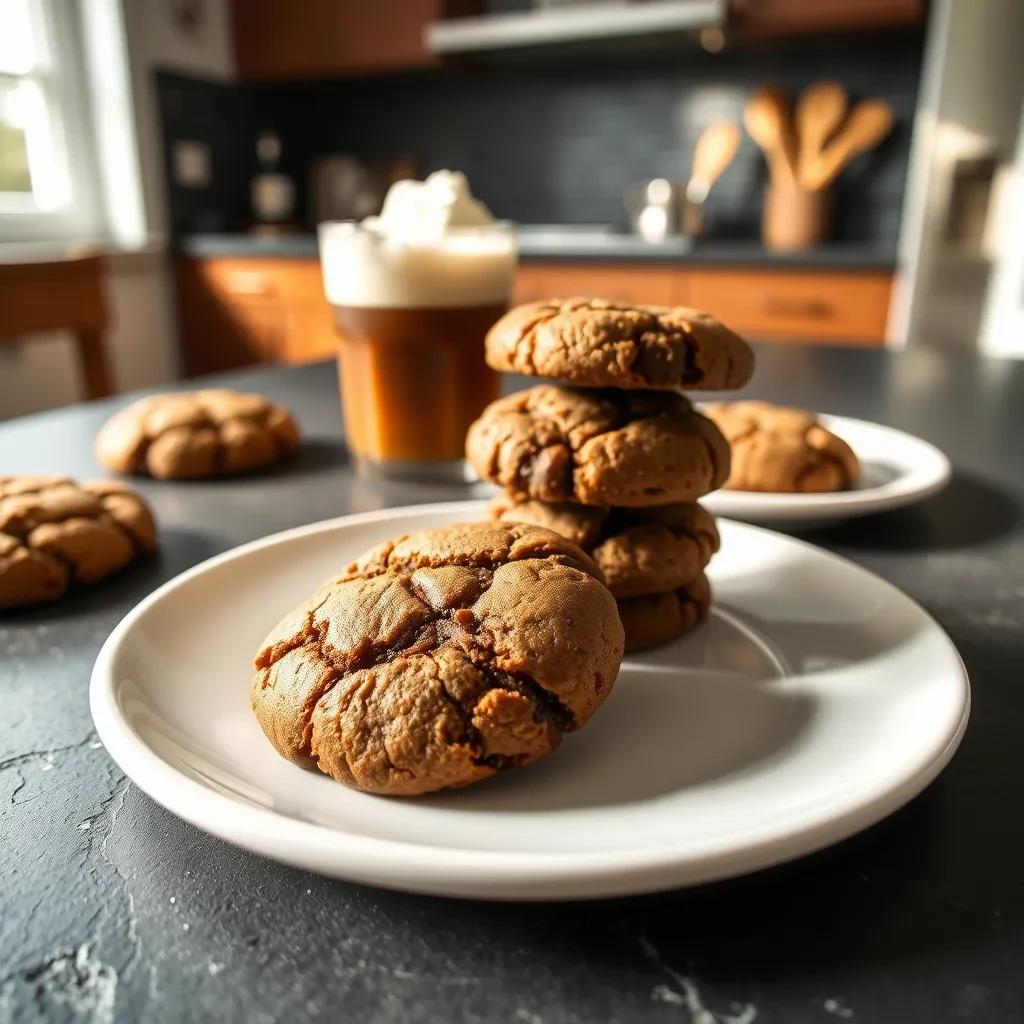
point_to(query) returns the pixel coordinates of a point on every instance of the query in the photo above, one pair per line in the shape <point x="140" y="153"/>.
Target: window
<point x="47" y="169"/>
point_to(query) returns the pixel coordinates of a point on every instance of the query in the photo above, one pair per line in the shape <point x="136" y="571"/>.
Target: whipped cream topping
<point x="433" y="244"/>
<point x="425" y="210"/>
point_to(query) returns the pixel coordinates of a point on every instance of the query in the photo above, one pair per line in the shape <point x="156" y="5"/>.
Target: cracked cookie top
<point x="599" y="343"/>
<point x="440" y="658"/>
<point x="640" y="551"/>
<point x="782" y="450"/>
<point x="55" y="533"/>
<point x="598" y="447"/>
<point x="194" y="434"/>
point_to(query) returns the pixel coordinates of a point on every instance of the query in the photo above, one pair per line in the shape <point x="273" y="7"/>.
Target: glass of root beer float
<point x="413" y="291"/>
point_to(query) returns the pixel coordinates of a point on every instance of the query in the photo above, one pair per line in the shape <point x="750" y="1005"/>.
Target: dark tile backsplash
<point x="210" y="112"/>
<point x="552" y="142"/>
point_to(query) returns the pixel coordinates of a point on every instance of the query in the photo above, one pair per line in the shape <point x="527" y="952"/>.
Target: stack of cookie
<point x="616" y="460"/>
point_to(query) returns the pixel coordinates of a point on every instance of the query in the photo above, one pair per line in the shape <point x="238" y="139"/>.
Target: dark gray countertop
<point x="581" y="246"/>
<point x="112" y="909"/>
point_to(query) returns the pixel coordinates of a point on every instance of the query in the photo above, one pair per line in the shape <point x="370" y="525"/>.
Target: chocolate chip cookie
<point x="55" y="534"/>
<point x="440" y="658"/>
<point x="782" y="450"/>
<point x="598" y="447"/>
<point x="614" y="344"/>
<point x="658" y="618"/>
<point x="196" y="434"/>
<point x="640" y="551"/>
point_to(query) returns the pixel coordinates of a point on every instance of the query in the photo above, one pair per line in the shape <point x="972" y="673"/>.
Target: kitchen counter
<point x="583" y="245"/>
<point x="114" y="910"/>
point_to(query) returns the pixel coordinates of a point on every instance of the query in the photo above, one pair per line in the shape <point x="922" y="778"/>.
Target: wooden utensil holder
<point x="796" y="218"/>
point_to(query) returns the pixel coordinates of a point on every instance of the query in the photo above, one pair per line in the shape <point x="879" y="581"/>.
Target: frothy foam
<point x="432" y="245"/>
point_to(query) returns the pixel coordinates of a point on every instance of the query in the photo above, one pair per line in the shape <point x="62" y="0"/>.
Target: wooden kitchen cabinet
<point x="310" y="333"/>
<point x="277" y="39"/>
<point x="759" y="19"/>
<point x="627" y="283"/>
<point x="240" y="312"/>
<point x="829" y="306"/>
<point x="847" y="307"/>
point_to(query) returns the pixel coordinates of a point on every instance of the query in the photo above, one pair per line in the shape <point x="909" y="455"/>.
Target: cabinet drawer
<point x="609" y="281"/>
<point x="240" y="311"/>
<point x="848" y="308"/>
<point x="240" y="278"/>
<point x="227" y="319"/>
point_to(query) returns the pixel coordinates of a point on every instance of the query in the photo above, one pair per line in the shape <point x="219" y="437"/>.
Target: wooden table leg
<point x="92" y="359"/>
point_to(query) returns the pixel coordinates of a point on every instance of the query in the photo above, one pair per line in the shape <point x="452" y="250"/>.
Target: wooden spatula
<point x="768" y="118"/>
<point x="715" y="149"/>
<point x="819" y="112"/>
<point x="869" y="122"/>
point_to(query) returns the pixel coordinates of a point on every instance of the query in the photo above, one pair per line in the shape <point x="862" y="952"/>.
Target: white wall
<point x="1002" y="330"/>
<point x="142" y="343"/>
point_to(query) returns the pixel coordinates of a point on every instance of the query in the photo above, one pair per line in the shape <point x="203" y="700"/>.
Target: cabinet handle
<point x="815" y="309"/>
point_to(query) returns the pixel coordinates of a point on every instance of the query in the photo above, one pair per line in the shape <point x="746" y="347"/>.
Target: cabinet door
<point x="310" y="332"/>
<point x="764" y="18"/>
<point x="231" y="314"/>
<point x="627" y="283"/>
<point x="850" y="308"/>
<point x="277" y="39"/>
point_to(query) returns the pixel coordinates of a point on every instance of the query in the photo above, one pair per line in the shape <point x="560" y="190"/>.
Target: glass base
<point x="455" y="471"/>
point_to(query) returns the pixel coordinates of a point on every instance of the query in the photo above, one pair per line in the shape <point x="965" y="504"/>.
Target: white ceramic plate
<point x="899" y="469"/>
<point x="816" y="700"/>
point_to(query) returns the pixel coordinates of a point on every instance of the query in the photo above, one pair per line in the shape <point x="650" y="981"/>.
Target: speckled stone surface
<point x="113" y="910"/>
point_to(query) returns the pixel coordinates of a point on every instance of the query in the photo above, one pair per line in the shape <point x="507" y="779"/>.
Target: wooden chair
<point x="59" y="295"/>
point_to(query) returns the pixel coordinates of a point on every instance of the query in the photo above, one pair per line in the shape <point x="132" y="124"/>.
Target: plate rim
<point x="453" y="871"/>
<point x="766" y="507"/>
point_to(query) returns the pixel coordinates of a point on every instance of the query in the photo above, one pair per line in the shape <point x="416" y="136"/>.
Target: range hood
<point x="573" y="23"/>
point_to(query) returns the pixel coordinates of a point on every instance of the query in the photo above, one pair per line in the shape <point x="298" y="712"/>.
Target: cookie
<point x="598" y="447"/>
<point x="599" y="343"/>
<point x="640" y="551"/>
<point x="782" y="450"/>
<point x="196" y="434"/>
<point x="658" y="618"/>
<point x="55" y="534"/>
<point x="440" y="658"/>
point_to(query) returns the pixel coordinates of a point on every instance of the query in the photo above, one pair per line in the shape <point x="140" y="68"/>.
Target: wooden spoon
<point x="869" y="122"/>
<point x="818" y="113"/>
<point x="768" y="119"/>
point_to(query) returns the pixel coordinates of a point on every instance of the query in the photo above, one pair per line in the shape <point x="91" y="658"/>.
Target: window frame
<point x="65" y="87"/>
